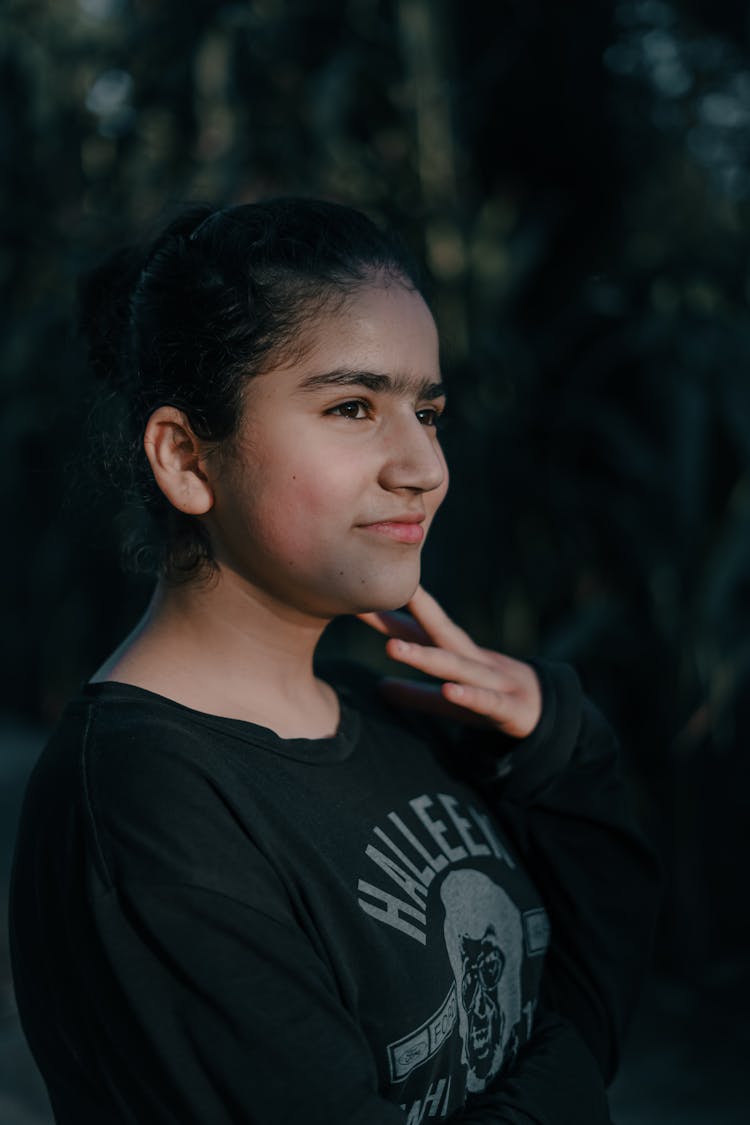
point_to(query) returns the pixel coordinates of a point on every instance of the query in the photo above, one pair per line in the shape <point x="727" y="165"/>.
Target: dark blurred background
<point x="576" y="179"/>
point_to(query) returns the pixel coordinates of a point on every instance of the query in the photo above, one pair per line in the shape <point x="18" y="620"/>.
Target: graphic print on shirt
<point x="485" y="934"/>
<point x="484" y="939"/>
<point x="418" y="864"/>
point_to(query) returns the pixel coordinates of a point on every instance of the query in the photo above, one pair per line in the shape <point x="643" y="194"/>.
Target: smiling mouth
<point x="400" y="531"/>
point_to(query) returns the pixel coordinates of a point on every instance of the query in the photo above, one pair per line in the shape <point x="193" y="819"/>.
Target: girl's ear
<point x="177" y="461"/>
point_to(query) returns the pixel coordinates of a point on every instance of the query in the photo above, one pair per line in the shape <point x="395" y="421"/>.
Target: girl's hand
<point x="478" y="685"/>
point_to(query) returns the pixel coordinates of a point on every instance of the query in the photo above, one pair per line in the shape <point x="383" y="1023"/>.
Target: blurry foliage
<point x="577" y="181"/>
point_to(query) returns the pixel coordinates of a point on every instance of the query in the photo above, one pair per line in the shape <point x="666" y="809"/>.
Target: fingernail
<point x="401" y="646"/>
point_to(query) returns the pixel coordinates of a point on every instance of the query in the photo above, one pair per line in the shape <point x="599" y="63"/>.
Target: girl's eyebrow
<point x="374" y="381"/>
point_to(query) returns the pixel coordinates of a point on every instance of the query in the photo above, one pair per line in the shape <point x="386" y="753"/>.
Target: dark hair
<point x="217" y="295"/>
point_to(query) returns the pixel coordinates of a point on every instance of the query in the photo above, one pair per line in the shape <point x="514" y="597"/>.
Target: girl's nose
<point x="414" y="459"/>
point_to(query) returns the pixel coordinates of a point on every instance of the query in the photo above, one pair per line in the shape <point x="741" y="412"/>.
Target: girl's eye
<point x="358" y="410"/>
<point x="355" y="409"/>
<point x="429" y="416"/>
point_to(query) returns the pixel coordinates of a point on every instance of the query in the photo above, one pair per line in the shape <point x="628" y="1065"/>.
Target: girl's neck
<point x="228" y="649"/>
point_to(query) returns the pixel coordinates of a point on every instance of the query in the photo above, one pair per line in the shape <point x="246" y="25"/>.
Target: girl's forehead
<point x="382" y="338"/>
<point x="388" y="322"/>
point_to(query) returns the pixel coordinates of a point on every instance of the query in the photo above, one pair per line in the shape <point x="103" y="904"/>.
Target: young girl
<point x="252" y="889"/>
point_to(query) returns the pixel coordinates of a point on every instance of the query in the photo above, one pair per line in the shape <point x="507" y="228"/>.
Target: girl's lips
<point x="400" y="531"/>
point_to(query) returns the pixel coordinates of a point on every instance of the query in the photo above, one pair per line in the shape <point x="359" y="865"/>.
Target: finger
<point x="392" y="623"/>
<point x="438" y="625"/>
<point x="506" y="664"/>
<point x="446" y="665"/>
<point x="501" y="710"/>
<point x="429" y="699"/>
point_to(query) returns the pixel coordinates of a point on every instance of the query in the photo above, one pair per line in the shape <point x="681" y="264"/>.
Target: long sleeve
<point x="554" y="1081"/>
<point x="211" y="960"/>
<point x="560" y="795"/>
<point x="211" y="982"/>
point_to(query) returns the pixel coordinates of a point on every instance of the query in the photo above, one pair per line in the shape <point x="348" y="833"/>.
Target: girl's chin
<point x="337" y="595"/>
<point x="382" y="601"/>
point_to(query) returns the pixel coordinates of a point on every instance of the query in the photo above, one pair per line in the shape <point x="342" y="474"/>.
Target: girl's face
<point x="338" y="470"/>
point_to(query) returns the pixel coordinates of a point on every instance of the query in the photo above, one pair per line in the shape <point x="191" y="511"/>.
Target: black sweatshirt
<point x="211" y="924"/>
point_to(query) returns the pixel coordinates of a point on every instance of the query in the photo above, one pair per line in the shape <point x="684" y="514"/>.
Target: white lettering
<point x="463" y="826"/>
<point x="436" y="862"/>
<point x="419" y="1045"/>
<point x="437" y="829"/>
<point x="425" y="875"/>
<point x="431" y="1106"/>
<point x="432" y="1099"/>
<point x="415" y="1114"/>
<point x="498" y="848"/>
<point x="446" y="1103"/>
<point x="394" y="910"/>
<point x="416" y="891"/>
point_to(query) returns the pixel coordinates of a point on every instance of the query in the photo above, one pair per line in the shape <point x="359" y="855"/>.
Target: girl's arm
<point x="546" y="759"/>
<point x="560" y="796"/>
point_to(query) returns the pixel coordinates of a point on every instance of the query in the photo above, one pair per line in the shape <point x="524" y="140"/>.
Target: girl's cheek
<point x="313" y="491"/>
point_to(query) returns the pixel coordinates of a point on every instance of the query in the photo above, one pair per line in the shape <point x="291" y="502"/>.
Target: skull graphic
<point x="482" y="965"/>
<point x="484" y="941"/>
